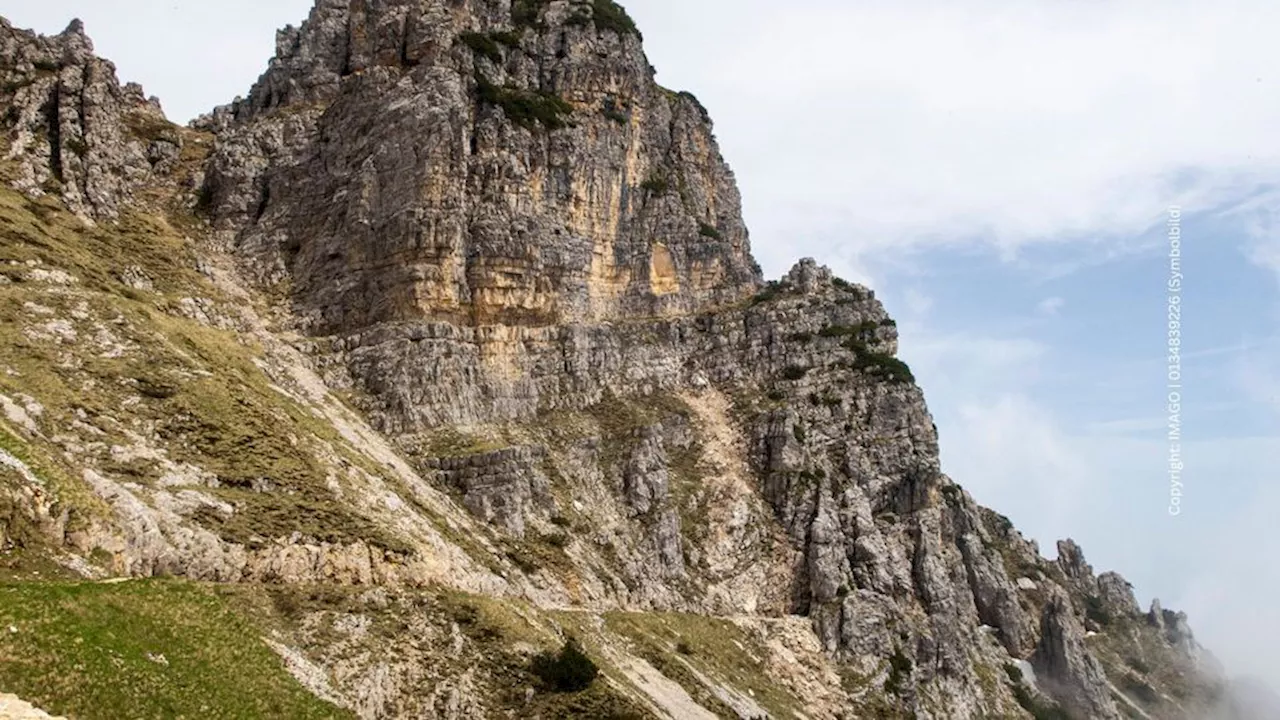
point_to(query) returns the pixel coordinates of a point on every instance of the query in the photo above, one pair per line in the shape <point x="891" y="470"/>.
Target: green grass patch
<point x="200" y="390"/>
<point x="611" y="16"/>
<point x="144" y="649"/>
<point x="719" y="649"/>
<point x="530" y="109"/>
<point x="884" y="365"/>
<point x="772" y="290"/>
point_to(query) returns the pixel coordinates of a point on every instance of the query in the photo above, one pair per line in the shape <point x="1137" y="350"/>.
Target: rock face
<point x="1064" y="659"/>
<point x="523" y="263"/>
<point x="403" y="162"/>
<point x="73" y="130"/>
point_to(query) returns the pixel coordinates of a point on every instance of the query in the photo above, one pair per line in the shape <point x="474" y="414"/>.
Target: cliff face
<point x="476" y="164"/>
<point x="446" y="343"/>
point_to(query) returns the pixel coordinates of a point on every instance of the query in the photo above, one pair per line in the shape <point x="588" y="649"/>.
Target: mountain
<point x="435" y="376"/>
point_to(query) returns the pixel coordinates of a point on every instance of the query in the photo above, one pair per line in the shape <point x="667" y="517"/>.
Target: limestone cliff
<point x="445" y="344"/>
<point x="479" y="164"/>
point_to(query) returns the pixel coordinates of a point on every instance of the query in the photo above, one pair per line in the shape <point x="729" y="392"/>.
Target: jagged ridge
<point x="525" y="263"/>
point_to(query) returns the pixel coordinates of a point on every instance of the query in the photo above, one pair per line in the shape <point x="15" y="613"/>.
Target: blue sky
<point x="1000" y="172"/>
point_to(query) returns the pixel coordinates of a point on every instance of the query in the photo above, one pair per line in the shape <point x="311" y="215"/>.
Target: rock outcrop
<point x="72" y="129"/>
<point x="1064" y="660"/>
<point x="402" y="162"/>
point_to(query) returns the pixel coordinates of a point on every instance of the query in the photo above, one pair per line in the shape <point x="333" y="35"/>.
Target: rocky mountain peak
<point x="460" y="355"/>
<point x="509" y="164"/>
<point x="73" y="131"/>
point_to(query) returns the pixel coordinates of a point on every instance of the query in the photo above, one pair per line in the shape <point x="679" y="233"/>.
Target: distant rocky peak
<point x="71" y="127"/>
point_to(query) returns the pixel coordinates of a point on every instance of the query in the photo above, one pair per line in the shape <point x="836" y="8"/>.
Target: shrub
<point x="769" y="292"/>
<point x="569" y="670"/>
<point x="657" y="184"/>
<point x="482" y="45"/>
<point x="1095" y="611"/>
<point x="795" y="372"/>
<point x="526" y="108"/>
<point x="506" y="37"/>
<point x="615" y="112"/>
<point x="857" y="293"/>
<point x="579" y="18"/>
<point x="527" y="13"/>
<point x="609" y="15"/>
<point x="798" y="431"/>
<point x="877" y="363"/>
<point x="77" y="146"/>
<point x="889" y="366"/>
<point x="899" y="670"/>
<point x="1039" y="710"/>
<point x="707" y="230"/>
<point x="702" y="110"/>
<point x="863" y="331"/>
<point x="952" y="493"/>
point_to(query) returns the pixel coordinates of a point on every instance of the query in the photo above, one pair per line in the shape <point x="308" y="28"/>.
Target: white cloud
<point x="1260" y="217"/>
<point x="1012" y="450"/>
<point x="901" y="124"/>
<point x="1051" y="306"/>
<point x="1126" y="426"/>
<point x="1257" y="375"/>
<point x="980" y="364"/>
<point x="918" y="303"/>
<point x="193" y="55"/>
<point x="1230" y="598"/>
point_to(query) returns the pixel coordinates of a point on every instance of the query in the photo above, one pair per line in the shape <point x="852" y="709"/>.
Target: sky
<point x="1003" y="173"/>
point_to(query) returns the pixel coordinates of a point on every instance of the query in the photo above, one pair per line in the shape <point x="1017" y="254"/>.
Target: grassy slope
<point x="82" y="649"/>
<point x="196" y="391"/>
